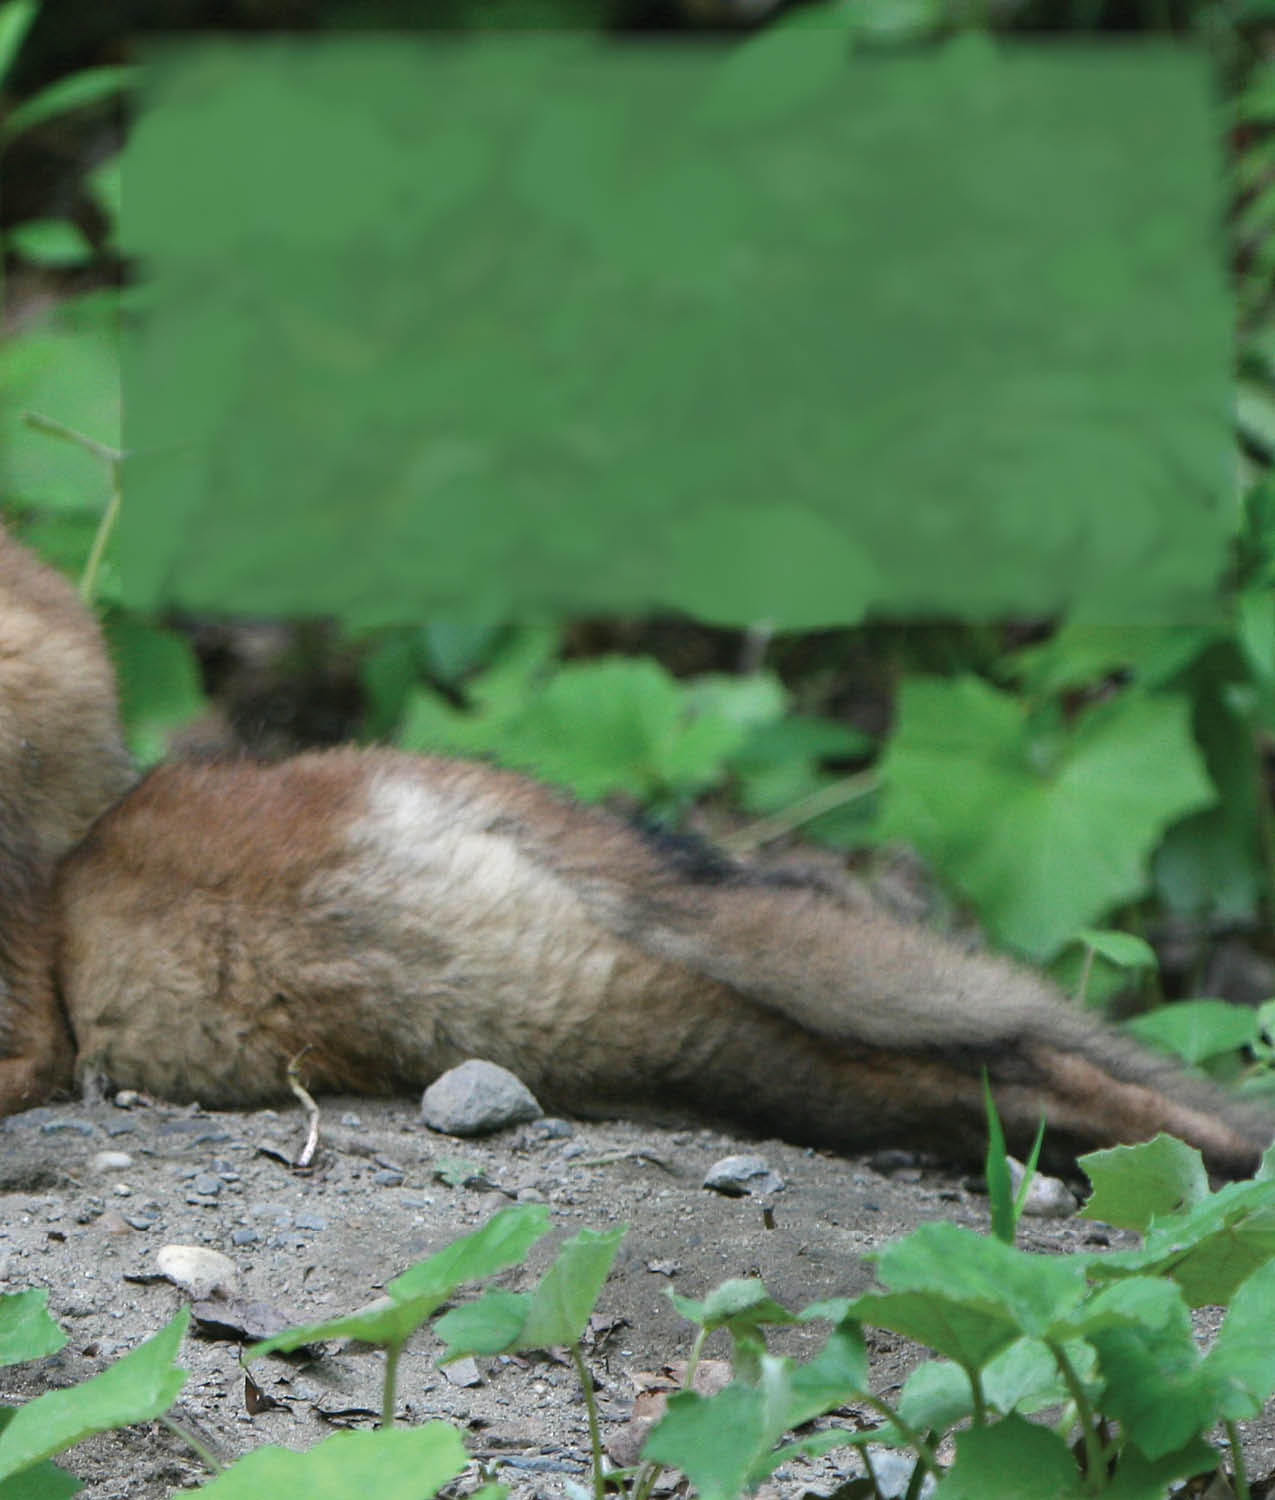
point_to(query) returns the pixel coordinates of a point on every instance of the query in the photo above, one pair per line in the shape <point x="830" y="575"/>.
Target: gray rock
<point x="199" y="1271"/>
<point x="1047" y="1197"/>
<point x="112" y="1161"/>
<point x="477" y="1098"/>
<point x="738" y="1176"/>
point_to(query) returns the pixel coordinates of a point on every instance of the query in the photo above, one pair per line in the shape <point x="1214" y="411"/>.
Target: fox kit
<point x="393" y="915"/>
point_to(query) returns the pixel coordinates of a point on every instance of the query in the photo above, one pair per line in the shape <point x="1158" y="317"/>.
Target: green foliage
<point x="1054" y="822"/>
<point x="404" y="1463"/>
<point x="141" y="1385"/>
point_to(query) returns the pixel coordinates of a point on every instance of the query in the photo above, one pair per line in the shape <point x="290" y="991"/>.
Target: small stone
<point x="311" y="1221"/>
<point x="892" y="1472"/>
<point x="127" y="1099"/>
<point x="663" y="1267"/>
<point x="388" y="1178"/>
<point x="739" y="1176"/>
<point x="1047" y="1197"/>
<point x="111" y="1161"/>
<point x="553" y="1129"/>
<point x="67" y="1127"/>
<point x="477" y="1098"/>
<point x="244" y="1236"/>
<point x="207" y="1184"/>
<point x="198" y="1270"/>
<point x="463" y="1372"/>
<point x="122" y="1190"/>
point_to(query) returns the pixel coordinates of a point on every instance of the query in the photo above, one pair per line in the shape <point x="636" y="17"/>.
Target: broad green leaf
<point x="1138" y="1478"/>
<point x="417" y="1293"/>
<point x="935" y="1397"/>
<point x="159" y="679"/>
<point x="1140" y="1301"/>
<point x="1242" y="1359"/>
<point x="742" y="1301"/>
<point x="491" y="1324"/>
<point x="1081" y="654"/>
<point x="566" y="1293"/>
<point x="715" y="1440"/>
<point x="834" y="1376"/>
<point x="1013" y="1460"/>
<point x="44" y="1481"/>
<point x="778" y="71"/>
<point x="396" y="1463"/>
<point x="1208" y="1249"/>
<point x="1255" y="629"/>
<point x="1134" y="1184"/>
<point x="141" y="1385"/>
<point x="1054" y="825"/>
<point x="65" y="366"/>
<point x="502" y="1241"/>
<point x="26" y="1329"/>
<point x="969" y="1330"/>
<point x="1120" y="948"/>
<point x="1035" y="1291"/>
<point x="1155" y="1384"/>
<point x="1196" y="1029"/>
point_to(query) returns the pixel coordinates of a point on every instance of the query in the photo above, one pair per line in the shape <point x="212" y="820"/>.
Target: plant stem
<point x="591" y="1406"/>
<point x="388" y="1390"/>
<point x="848" y="789"/>
<point x="1094" y="1461"/>
<point x="113" y="459"/>
<point x="692" y="1363"/>
<point x="924" y="1448"/>
<point x="1239" y="1482"/>
<point x="210" y="1460"/>
<point x="1082" y="984"/>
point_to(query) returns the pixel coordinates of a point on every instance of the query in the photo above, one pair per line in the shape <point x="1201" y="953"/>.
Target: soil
<point x="312" y="1243"/>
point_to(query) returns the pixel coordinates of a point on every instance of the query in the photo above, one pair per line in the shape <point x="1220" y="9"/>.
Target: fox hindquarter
<point x="393" y="915"/>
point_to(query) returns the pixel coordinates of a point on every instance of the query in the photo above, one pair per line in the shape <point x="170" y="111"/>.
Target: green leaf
<point x="88" y="86"/>
<point x="141" y="1385"/>
<point x="160" y="684"/>
<point x="713" y="1440"/>
<point x="1033" y="1291"/>
<point x="15" y="22"/>
<point x="1242" y="1359"/>
<point x="50" y="242"/>
<point x="741" y="1301"/>
<point x="491" y="1324"/>
<point x="395" y="1463"/>
<point x="1082" y="655"/>
<point x="502" y="1241"/>
<point x="26" y="1329"/>
<point x="1138" y="1478"/>
<point x="779" y="70"/>
<point x="1120" y="948"/>
<point x="1000" y="1192"/>
<point x="1155" y="1384"/>
<point x="1134" y="1184"/>
<point x="1255" y="629"/>
<point x="1208" y="1249"/>
<point x="66" y="365"/>
<point x="566" y="1293"/>
<point x="1053" y="826"/>
<point x="44" y="1481"/>
<point x="1014" y="1460"/>
<point x="1195" y="1030"/>
<point x="419" y="1291"/>
<point x="969" y="1330"/>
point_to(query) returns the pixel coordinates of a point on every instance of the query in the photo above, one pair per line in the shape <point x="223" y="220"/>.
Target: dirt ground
<point x="311" y="1244"/>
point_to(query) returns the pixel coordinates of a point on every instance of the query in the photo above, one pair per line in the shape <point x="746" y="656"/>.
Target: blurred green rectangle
<point x="761" y="330"/>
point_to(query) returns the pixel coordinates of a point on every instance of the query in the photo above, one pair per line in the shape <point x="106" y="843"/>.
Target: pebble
<point x="388" y="1178"/>
<point x="1047" y="1197"/>
<point x="738" y="1176"/>
<point x="112" y="1161"/>
<point x="206" y="1184"/>
<point x="462" y="1372"/>
<point x="477" y="1098"/>
<point x="311" y="1221"/>
<point x="67" y="1127"/>
<point x="127" y="1099"/>
<point x="244" y="1236"/>
<point x="197" y="1270"/>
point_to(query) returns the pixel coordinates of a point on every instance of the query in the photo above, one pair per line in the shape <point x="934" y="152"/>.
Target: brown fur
<point x="396" y="914"/>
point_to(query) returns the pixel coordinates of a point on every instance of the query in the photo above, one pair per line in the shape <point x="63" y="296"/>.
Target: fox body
<point x="391" y="915"/>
